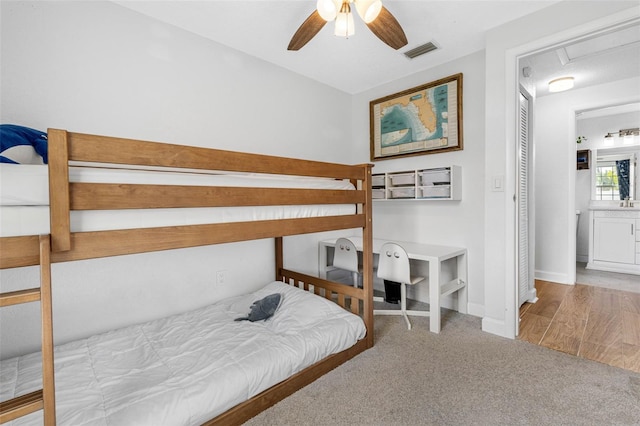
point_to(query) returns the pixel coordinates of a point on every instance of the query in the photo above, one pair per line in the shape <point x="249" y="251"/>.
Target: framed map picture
<point x="423" y="120"/>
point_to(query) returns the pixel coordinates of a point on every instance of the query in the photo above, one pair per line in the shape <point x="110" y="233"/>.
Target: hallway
<point x="597" y="323"/>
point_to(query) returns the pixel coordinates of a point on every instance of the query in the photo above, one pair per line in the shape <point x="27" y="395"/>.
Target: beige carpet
<point x="462" y="376"/>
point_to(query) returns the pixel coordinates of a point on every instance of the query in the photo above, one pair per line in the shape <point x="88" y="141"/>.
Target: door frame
<point x="512" y="85"/>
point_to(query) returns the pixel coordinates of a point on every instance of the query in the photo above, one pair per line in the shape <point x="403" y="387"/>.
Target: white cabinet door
<point x="614" y="240"/>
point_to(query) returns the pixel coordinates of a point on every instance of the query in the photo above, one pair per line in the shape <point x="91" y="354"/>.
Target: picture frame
<point x="426" y="119"/>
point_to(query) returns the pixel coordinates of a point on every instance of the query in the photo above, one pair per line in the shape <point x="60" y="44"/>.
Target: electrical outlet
<point x="221" y="277"/>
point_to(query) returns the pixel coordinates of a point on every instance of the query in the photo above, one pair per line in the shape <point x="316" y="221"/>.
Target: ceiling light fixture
<point x="368" y="9"/>
<point x="377" y="18"/>
<point x="344" y="21"/>
<point x="340" y="11"/>
<point x="560" y="84"/>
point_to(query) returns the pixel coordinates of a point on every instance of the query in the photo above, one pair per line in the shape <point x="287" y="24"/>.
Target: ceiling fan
<point x="379" y="20"/>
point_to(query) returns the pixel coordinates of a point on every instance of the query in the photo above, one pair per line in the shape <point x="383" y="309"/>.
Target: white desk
<point x="434" y="255"/>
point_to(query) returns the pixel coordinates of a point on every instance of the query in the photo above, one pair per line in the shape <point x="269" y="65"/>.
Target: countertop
<point x="636" y="207"/>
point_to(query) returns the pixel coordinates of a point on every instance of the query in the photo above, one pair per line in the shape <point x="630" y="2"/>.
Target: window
<point x="607" y="181"/>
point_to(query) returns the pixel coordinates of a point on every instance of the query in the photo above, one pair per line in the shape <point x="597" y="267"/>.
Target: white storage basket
<point x="402" y="192"/>
<point x="432" y="177"/>
<point x="437" y="191"/>
<point x="377" y="194"/>
<point x="403" y="179"/>
<point x="377" y="180"/>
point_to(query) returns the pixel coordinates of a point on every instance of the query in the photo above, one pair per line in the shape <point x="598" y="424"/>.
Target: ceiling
<point x="633" y="107"/>
<point x="264" y="28"/>
<point x="610" y="55"/>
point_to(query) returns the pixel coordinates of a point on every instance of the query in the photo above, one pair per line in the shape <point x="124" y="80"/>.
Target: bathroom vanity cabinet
<point x="614" y="240"/>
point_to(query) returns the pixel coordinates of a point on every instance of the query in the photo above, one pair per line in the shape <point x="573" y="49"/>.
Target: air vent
<point x="420" y="50"/>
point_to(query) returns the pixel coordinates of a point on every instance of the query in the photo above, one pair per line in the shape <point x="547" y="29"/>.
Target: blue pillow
<point x="22" y="145"/>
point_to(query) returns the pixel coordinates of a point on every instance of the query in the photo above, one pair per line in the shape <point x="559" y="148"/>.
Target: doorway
<point x="600" y="185"/>
<point x="554" y="146"/>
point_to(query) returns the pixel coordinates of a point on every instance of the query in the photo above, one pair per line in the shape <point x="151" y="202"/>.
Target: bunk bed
<point x="68" y="241"/>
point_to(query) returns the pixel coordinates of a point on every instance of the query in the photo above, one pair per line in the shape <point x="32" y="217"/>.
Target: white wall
<point x="97" y="67"/>
<point x="454" y="223"/>
<point x="504" y="44"/>
<point x="594" y="129"/>
<point x="555" y="130"/>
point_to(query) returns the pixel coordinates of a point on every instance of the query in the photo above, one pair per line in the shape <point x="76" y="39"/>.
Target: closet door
<point x="525" y="208"/>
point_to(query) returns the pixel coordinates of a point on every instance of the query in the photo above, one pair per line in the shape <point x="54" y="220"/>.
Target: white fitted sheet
<point x="187" y="368"/>
<point x="24" y="199"/>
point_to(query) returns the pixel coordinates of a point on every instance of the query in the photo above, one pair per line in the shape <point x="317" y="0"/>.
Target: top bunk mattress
<point x="28" y="184"/>
<point x="187" y="368"/>
<point x="24" y="199"/>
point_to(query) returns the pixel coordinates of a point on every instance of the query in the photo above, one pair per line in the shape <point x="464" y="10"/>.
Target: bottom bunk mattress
<point x="187" y="368"/>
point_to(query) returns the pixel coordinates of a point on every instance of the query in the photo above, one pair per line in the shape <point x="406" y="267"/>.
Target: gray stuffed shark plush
<point x="264" y="308"/>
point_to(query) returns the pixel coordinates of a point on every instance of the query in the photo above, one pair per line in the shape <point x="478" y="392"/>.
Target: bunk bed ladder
<point x="43" y="399"/>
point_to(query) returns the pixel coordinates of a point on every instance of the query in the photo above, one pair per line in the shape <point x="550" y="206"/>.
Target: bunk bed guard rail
<point x="65" y="196"/>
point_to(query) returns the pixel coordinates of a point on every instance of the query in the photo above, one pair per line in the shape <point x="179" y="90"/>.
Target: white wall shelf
<point x="442" y="183"/>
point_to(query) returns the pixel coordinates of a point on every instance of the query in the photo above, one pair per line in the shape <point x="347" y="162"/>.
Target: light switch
<point x="497" y="183"/>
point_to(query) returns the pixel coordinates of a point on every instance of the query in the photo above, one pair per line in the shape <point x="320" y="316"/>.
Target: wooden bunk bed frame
<point x="63" y="245"/>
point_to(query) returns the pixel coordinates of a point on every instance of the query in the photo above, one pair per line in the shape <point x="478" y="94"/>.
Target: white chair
<point x="345" y="256"/>
<point x="393" y="265"/>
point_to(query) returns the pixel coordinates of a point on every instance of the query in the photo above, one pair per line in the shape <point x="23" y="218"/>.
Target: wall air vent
<point x="420" y="50"/>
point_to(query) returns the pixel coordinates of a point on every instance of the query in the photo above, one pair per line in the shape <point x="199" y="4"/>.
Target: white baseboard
<point x="614" y="267"/>
<point x="451" y="302"/>
<point x="475" y="309"/>
<point x="448" y="303"/>
<point x="554" y="277"/>
<point x="494" y="326"/>
<point x="533" y="296"/>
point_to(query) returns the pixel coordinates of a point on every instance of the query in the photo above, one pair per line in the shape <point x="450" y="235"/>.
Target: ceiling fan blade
<point x="387" y="29"/>
<point x="307" y="31"/>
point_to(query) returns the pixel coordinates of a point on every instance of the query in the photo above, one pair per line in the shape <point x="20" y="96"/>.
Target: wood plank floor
<point x="596" y="323"/>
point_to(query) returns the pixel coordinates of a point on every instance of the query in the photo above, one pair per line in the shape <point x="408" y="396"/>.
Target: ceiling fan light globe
<point x="344" y="25"/>
<point x="368" y="9"/>
<point x="328" y="9"/>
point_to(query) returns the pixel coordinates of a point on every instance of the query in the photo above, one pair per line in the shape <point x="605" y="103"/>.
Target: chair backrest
<point x="345" y="255"/>
<point x="393" y="263"/>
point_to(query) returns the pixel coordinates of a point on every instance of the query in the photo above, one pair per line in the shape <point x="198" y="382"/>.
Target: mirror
<point x="615" y="174"/>
<point x="611" y="135"/>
